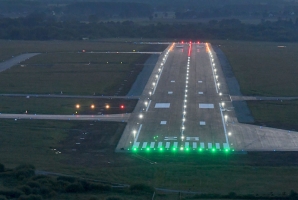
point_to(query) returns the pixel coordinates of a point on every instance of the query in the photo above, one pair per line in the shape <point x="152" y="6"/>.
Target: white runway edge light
<point x="154" y="84"/>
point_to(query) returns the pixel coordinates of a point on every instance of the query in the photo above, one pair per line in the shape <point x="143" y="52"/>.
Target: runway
<point x="181" y="107"/>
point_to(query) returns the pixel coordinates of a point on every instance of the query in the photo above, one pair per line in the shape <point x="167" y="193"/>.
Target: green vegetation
<point x="23" y="184"/>
<point x="65" y="106"/>
<point x="72" y="78"/>
<point x="77" y="73"/>
<point x="263" y="68"/>
<point x="13" y="48"/>
<point x="266" y="69"/>
<point x="39" y="143"/>
<point x="276" y="114"/>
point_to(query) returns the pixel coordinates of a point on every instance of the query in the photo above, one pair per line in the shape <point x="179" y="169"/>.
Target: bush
<point x="33" y="184"/>
<point x="31" y="197"/>
<point x="10" y="193"/>
<point x="2" y="168"/>
<point x="100" y="187"/>
<point x="140" y="187"/>
<point x="67" y="179"/>
<point x="26" y="189"/>
<point x="113" y="198"/>
<point x="74" y="188"/>
<point x="24" y="171"/>
<point x="2" y="197"/>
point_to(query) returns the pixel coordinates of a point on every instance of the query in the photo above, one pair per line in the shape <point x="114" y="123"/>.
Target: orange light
<point x="92" y="106"/>
<point x="78" y="106"/>
<point x="107" y="106"/>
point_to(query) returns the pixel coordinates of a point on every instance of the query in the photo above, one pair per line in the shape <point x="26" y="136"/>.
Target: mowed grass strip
<point x="65" y="106"/>
<point x="276" y="114"/>
<point x="39" y="142"/>
<point x="263" y="68"/>
<point x="72" y="74"/>
<point x="34" y="141"/>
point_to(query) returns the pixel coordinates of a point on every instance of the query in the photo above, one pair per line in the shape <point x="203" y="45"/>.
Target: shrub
<point x="10" y="193"/>
<point x="140" y="187"/>
<point x="31" y="197"/>
<point x="114" y="198"/>
<point x="100" y="187"/>
<point x="24" y="171"/>
<point x="26" y="189"/>
<point x="74" y="188"/>
<point x="2" y="168"/>
<point x="33" y="184"/>
<point x="2" y="197"/>
<point x="66" y="178"/>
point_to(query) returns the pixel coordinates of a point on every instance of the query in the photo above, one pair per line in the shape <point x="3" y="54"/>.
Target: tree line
<point x="38" y="26"/>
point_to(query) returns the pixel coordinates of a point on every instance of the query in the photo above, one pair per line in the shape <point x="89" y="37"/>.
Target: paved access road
<point x="181" y="106"/>
<point x="15" y="60"/>
<point x="113" y="117"/>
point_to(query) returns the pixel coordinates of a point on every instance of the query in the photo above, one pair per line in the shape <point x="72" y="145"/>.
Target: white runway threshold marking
<point x="162" y="105"/>
<point x="206" y="105"/>
<point x="138" y="133"/>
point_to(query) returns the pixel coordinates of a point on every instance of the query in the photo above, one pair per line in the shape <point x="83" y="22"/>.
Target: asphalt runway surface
<point x="181" y="105"/>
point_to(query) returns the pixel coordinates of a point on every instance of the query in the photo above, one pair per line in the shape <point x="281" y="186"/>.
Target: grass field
<point x="33" y="142"/>
<point x="71" y="73"/>
<point x="263" y="68"/>
<point x="13" y="48"/>
<point x="276" y="114"/>
<point x="65" y="106"/>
